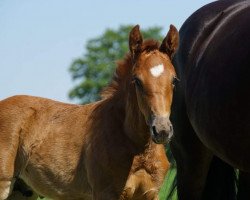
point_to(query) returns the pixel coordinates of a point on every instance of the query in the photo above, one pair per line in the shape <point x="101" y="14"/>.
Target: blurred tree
<point x="94" y="69"/>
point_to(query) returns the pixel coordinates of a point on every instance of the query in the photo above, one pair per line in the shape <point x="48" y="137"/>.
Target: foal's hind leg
<point x="244" y="186"/>
<point x="6" y="181"/>
<point x="6" y="185"/>
<point x="5" y="189"/>
<point x="8" y="151"/>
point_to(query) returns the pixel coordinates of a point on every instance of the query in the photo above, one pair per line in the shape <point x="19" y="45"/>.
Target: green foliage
<point x="94" y="69"/>
<point x="168" y="190"/>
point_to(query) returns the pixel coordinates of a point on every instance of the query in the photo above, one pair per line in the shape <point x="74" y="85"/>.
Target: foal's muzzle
<point x="161" y="129"/>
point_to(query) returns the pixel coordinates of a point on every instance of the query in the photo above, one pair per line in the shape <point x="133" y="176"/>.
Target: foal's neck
<point x="135" y="126"/>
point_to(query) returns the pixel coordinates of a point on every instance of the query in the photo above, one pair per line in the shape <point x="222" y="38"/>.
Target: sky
<point x="40" y="38"/>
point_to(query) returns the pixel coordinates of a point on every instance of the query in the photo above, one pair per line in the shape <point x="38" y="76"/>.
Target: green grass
<point x="167" y="192"/>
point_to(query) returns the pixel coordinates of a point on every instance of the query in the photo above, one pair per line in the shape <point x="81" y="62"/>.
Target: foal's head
<point x="152" y="76"/>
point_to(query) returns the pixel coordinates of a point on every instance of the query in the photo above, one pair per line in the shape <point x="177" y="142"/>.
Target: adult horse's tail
<point x="221" y="180"/>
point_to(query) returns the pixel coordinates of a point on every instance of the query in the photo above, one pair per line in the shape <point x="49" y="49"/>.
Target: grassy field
<point x="167" y="192"/>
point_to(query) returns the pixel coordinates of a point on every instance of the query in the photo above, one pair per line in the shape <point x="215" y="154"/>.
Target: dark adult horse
<point x="212" y="102"/>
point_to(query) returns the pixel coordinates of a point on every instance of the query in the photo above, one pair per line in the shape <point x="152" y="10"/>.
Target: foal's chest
<point x="146" y="176"/>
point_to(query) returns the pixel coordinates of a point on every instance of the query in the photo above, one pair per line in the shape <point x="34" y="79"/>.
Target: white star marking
<point x="157" y="70"/>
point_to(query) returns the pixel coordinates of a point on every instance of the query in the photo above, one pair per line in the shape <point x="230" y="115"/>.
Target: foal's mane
<point x="124" y="69"/>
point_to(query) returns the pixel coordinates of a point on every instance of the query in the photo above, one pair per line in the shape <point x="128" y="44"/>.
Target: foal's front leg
<point x="140" y="186"/>
<point x="127" y="194"/>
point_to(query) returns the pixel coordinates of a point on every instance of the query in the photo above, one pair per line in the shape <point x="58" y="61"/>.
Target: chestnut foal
<point x="110" y="149"/>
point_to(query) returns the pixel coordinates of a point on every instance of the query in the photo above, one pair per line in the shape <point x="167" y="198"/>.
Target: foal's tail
<point x="221" y="181"/>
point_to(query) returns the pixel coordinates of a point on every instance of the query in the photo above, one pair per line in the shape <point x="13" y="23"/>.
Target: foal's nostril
<point x="161" y="130"/>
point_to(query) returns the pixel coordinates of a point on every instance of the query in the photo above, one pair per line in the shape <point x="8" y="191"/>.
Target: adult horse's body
<point x="102" y="150"/>
<point x="212" y="102"/>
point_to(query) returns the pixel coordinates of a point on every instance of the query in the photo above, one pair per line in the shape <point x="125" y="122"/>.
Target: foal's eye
<point x="137" y="82"/>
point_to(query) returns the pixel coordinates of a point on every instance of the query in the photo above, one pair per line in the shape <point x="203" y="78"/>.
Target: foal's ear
<point x="170" y="43"/>
<point x="135" y="41"/>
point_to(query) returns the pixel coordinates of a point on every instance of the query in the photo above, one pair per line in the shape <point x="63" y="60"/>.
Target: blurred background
<point x="66" y="50"/>
<point x="39" y="40"/>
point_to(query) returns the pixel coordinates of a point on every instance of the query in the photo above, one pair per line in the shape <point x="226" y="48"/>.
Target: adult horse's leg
<point x="200" y="175"/>
<point x="221" y="181"/>
<point x="192" y="168"/>
<point x="192" y="157"/>
<point x="244" y="186"/>
<point x="199" y="172"/>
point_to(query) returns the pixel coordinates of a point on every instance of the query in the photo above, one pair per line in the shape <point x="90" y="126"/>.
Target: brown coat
<point x="103" y="150"/>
